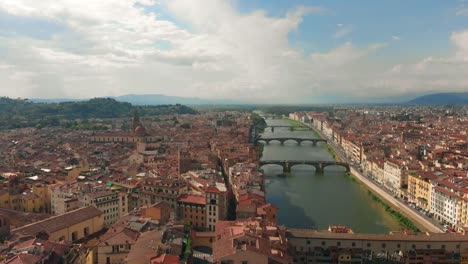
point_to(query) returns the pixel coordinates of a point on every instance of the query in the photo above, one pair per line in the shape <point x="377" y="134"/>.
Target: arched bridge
<point x="272" y="117"/>
<point x="319" y="165"/>
<point x="284" y="139"/>
<point x="290" y="127"/>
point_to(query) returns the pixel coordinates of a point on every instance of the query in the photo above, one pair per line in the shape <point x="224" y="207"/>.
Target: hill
<point x="148" y="99"/>
<point x="16" y="113"/>
<point x="441" y="98"/>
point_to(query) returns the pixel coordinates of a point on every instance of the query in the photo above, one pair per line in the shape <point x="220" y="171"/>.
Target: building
<point x="394" y="177"/>
<point x="71" y="226"/>
<point x="249" y="241"/>
<point x="160" y="189"/>
<point x="446" y="202"/>
<point x="160" y="212"/>
<point x="419" y="189"/>
<point x="112" y="204"/>
<point x="216" y="203"/>
<point x="305" y="243"/>
<point x="115" y="245"/>
<point x="192" y="210"/>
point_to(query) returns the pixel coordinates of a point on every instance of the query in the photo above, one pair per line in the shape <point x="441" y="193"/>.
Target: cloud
<point x="343" y="30"/>
<point x="395" y="37"/>
<point x="212" y="50"/>
<point x="462" y="12"/>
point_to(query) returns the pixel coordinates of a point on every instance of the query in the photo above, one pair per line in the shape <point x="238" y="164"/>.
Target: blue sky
<point x="253" y="50"/>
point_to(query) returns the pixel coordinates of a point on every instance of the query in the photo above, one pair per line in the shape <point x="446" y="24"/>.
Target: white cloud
<point x="343" y="30"/>
<point x="114" y="47"/>
<point x="395" y="37"/>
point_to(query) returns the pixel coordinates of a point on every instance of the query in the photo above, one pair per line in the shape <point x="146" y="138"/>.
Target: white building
<point x="445" y="203"/>
<point x="392" y="179"/>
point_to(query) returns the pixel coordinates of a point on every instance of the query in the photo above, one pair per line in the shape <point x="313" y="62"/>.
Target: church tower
<point x="136" y="119"/>
<point x="138" y="127"/>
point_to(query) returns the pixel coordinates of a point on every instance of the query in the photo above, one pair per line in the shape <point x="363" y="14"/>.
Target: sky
<point x="282" y="51"/>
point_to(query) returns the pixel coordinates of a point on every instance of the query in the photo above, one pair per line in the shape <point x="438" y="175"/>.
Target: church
<point x="138" y="134"/>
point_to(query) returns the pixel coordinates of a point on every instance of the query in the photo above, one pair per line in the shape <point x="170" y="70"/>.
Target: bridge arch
<point x="319" y="165"/>
<point x="345" y="166"/>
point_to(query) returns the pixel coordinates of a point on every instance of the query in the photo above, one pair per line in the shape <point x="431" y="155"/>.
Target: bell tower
<point x="136" y="119"/>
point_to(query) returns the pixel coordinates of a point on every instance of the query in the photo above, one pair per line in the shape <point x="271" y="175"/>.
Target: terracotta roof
<point x="23" y="258"/>
<point x="145" y="247"/>
<point x="193" y="199"/>
<point x="166" y="259"/>
<point x="56" y="223"/>
<point x="119" y="236"/>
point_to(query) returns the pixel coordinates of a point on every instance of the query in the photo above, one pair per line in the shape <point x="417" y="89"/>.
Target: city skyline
<point x="249" y="51"/>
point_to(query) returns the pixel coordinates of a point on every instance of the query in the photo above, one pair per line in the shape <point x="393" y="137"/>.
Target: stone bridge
<point x="319" y="165"/>
<point x="290" y="127"/>
<point x="284" y="139"/>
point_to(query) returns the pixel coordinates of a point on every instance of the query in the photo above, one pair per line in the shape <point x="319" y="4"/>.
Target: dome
<point x="140" y="130"/>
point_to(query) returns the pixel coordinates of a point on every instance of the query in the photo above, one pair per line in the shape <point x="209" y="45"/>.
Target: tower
<point x="136" y="119"/>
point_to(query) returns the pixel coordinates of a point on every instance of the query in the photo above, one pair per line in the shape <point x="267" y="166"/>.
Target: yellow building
<point x="419" y="189"/>
<point x="70" y="226"/>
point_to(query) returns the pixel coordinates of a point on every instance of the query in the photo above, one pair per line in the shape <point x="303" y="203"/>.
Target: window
<point x="368" y="245"/>
<point x="338" y="244"/>
<point x="74" y="236"/>
<point x="353" y="244"/>
<point x="324" y="243"/>
<point x="86" y="231"/>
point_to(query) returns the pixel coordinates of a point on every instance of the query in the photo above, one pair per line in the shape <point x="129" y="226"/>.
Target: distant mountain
<point x="159" y="99"/>
<point x="149" y="99"/>
<point x="55" y="100"/>
<point x="441" y="98"/>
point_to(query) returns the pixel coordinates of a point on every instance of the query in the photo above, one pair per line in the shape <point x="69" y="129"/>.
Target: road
<point x="403" y="208"/>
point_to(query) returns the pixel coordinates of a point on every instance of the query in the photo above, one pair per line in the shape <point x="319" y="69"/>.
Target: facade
<point x="112" y="204"/>
<point x="216" y="203"/>
<point x="154" y="190"/>
<point x="392" y="177"/>
<point x="307" y="245"/>
<point x="160" y="211"/>
<point x="419" y="190"/>
<point x="62" y="199"/>
<point x="445" y="204"/>
<point x="69" y="227"/>
<point x="192" y="210"/>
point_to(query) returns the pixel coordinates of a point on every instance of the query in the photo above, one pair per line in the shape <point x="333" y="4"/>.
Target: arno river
<point x="309" y="200"/>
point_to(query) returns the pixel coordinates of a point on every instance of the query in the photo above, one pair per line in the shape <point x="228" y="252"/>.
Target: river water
<point x="309" y="200"/>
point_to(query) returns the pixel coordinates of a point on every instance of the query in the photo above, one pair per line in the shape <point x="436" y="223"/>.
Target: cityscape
<point x="233" y="132"/>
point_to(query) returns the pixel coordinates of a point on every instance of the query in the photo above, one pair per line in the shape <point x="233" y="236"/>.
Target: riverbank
<point x="297" y="126"/>
<point x="406" y="217"/>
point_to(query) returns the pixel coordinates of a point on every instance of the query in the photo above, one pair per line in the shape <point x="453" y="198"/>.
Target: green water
<point x="309" y="200"/>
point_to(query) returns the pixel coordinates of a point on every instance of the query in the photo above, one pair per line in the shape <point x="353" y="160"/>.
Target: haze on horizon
<point x="246" y="50"/>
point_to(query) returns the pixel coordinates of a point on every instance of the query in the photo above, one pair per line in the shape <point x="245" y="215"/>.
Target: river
<point x="309" y="200"/>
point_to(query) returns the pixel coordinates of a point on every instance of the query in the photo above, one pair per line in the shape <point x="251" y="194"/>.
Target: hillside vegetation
<point x="17" y="113"/>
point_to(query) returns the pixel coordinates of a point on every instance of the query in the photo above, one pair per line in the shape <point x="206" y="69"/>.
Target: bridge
<point x="293" y="127"/>
<point x="319" y="165"/>
<point x="284" y="139"/>
<point x="271" y="117"/>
